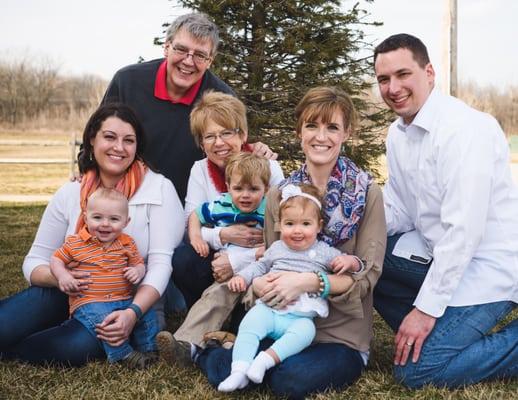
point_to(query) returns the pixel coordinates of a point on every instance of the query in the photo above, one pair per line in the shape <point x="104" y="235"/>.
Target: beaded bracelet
<point x="136" y="309"/>
<point x="323" y="285"/>
<point x="327" y="285"/>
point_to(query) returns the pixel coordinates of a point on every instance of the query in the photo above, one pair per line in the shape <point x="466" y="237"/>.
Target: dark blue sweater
<point x="170" y="147"/>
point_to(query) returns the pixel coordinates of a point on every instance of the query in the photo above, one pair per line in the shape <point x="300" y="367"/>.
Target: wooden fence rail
<point x="71" y="161"/>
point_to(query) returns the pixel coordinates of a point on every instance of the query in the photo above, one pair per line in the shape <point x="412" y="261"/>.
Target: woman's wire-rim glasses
<point x="225" y="135"/>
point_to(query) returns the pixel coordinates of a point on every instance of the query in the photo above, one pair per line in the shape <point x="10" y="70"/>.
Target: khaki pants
<point x="208" y="314"/>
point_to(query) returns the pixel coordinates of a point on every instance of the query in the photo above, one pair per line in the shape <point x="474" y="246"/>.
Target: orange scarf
<point x="127" y="185"/>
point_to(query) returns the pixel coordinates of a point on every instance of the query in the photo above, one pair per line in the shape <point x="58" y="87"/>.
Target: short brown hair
<point x="321" y="102"/>
<point x="224" y="109"/>
<point x="404" y="41"/>
<point x="249" y="166"/>
<point x="303" y="202"/>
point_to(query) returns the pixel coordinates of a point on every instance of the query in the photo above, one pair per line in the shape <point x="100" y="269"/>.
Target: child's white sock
<point x="261" y="363"/>
<point x="237" y="378"/>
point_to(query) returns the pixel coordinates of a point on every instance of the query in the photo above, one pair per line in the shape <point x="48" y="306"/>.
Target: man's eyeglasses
<point x="225" y="134"/>
<point x="197" y="57"/>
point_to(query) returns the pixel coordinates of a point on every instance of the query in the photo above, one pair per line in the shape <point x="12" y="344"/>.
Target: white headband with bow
<point x="291" y="190"/>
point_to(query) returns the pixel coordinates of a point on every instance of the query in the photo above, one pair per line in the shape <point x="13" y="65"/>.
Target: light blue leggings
<point x="292" y="333"/>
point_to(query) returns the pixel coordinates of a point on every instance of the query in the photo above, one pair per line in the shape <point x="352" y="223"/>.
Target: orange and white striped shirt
<point x="105" y="266"/>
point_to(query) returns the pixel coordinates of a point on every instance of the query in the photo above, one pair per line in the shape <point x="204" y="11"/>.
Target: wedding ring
<point x="409" y="344"/>
<point x="252" y="242"/>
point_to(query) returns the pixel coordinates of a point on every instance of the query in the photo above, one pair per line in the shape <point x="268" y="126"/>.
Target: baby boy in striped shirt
<point x="114" y="265"/>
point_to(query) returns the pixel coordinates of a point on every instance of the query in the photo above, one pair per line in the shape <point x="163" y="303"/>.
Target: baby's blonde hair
<point x="249" y="166"/>
<point x="108" y="194"/>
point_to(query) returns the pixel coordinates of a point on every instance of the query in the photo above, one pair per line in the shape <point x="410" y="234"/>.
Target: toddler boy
<point x="114" y="265"/>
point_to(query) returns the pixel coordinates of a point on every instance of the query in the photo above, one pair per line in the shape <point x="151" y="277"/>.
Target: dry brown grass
<point x="33" y="179"/>
<point x="35" y="134"/>
<point x="38" y="179"/>
<point x="102" y="381"/>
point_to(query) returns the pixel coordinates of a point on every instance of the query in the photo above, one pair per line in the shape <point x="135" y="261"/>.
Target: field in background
<point x="42" y="180"/>
<point x="37" y="182"/>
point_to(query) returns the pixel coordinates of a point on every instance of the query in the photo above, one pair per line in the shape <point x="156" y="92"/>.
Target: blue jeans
<point x="292" y="333"/>
<point x="34" y="327"/>
<point x="142" y="338"/>
<point x="459" y="350"/>
<point x="397" y="286"/>
<point x="314" y="369"/>
<point x="192" y="274"/>
<point x="173" y="299"/>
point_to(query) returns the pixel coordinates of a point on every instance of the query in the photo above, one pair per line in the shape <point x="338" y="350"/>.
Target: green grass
<point x="102" y="381"/>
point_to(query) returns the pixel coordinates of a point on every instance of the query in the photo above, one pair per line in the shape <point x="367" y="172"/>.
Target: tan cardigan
<point x="350" y="314"/>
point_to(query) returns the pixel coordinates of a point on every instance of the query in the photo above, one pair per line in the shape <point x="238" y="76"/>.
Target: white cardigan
<point x="156" y="214"/>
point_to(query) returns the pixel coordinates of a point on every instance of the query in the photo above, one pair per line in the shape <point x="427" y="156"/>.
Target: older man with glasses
<point x="163" y="91"/>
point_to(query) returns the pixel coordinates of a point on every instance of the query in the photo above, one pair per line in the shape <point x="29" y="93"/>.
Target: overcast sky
<point x="100" y="36"/>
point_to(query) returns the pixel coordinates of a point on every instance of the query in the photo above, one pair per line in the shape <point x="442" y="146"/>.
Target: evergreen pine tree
<point x="273" y="51"/>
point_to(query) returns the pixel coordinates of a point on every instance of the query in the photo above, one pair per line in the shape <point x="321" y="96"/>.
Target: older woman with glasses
<point x="219" y="126"/>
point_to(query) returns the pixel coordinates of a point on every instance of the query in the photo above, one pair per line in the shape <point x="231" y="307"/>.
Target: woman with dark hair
<point x="34" y="324"/>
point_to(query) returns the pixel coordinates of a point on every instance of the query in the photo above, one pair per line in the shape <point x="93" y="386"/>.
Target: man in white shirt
<point x="451" y="267"/>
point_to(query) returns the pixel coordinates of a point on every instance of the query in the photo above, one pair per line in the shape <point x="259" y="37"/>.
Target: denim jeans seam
<point x="84" y="316"/>
<point x="118" y="355"/>
<point x="506" y="310"/>
<point x="148" y="345"/>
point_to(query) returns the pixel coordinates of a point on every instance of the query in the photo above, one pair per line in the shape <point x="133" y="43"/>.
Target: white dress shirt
<point x="156" y="225"/>
<point x="450" y="179"/>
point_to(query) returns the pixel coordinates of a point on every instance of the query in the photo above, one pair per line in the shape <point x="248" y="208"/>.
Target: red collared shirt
<point x="161" y="87"/>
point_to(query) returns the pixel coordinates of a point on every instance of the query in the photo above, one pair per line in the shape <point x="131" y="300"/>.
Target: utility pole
<point x="453" y="47"/>
<point x="448" y="83"/>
